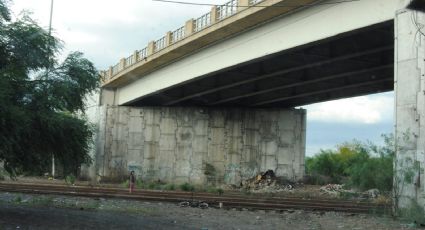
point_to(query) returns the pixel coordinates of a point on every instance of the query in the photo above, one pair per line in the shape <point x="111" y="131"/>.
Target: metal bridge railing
<point x="228" y="9"/>
<point x="160" y="44"/>
<point x="177" y="35"/>
<point x="141" y="54"/>
<point x="130" y="61"/>
<point x="220" y="13"/>
<point x="115" y="69"/>
<point x="202" y="22"/>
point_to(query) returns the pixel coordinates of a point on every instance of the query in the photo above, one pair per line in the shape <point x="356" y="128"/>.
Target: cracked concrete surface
<point x="200" y="145"/>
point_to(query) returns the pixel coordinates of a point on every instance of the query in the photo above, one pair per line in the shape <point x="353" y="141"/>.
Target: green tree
<point x="40" y="99"/>
<point x="360" y="165"/>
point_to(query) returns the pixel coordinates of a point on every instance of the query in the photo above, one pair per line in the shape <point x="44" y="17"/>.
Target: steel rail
<point x="212" y="199"/>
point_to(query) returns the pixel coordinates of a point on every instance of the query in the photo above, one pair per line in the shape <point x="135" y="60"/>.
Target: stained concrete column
<point x="409" y="107"/>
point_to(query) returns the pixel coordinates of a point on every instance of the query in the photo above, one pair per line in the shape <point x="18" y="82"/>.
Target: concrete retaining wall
<point x="200" y="145"/>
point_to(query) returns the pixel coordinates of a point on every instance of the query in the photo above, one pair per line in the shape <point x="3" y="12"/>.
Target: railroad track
<point x="228" y="201"/>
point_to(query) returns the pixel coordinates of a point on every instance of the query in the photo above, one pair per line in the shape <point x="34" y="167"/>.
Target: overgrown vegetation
<point x="187" y="187"/>
<point x="41" y="100"/>
<point x="414" y="213"/>
<point x="3" y="174"/>
<point x="356" y="164"/>
<point x="70" y="179"/>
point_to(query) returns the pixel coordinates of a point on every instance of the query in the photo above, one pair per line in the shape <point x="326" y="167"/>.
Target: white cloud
<point x="366" y="109"/>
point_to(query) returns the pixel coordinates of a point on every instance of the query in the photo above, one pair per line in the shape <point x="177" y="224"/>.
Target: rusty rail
<point x="229" y="201"/>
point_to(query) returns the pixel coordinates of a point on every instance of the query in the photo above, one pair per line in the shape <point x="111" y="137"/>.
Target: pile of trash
<point x="338" y="190"/>
<point x="266" y="182"/>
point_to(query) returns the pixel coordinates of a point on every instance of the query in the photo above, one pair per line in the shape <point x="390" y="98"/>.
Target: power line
<point x="279" y="5"/>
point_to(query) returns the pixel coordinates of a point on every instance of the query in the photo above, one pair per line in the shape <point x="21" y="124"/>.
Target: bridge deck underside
<point x="352" y="64"/>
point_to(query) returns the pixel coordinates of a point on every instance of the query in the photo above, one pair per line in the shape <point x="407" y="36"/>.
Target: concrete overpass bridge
<point x="212" y="101"/>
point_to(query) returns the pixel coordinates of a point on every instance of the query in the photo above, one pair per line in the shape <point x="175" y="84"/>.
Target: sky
<point x="106" y="31"/>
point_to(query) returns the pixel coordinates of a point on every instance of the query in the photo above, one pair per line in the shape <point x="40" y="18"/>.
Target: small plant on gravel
<point x="125" y="184"/>
<point x="219" y="191"/>
<point x="2" y="174"/>
<point x="70" y="179"/>
<point x="152" y="185"/>
<point x="17" y="199"/>
<point x="170" y="187"/>
<point x="139" y="183"/>
<point x="91" y="205"/>
<point x="42" y="200"/>
<point x="187" y="187"/>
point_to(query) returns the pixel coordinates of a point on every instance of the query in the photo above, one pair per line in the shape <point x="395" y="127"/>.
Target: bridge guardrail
<point x="227" y="9"/>
<point x="177" y="35"/>
<point x="217" y="13"/>
<point x="202" y="22"/>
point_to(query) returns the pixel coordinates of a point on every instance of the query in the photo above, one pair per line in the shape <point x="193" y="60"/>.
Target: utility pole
<point x="48" y="69"/>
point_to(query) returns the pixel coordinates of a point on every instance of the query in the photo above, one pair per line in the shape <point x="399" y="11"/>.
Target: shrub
<point x="219" y="191"/>
<point x="187" y="187"/>
<point x="139" y="183"/>
<point x="70" y="179"/>
<point x="126" y="184"/>
<point x="17" y="199"/>
<point x="151" y="185"/>
<point x="170" y="187"/>
<point x="2" y="174"/>
<point x="361" y="165"/>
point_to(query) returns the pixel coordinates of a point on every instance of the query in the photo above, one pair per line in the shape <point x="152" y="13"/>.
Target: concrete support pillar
<point x="150" y="49"/>
<point x="242" y="4"/>
<point x="409" y="107"/>
<point x="189" y="27"/>
<point x="168" y="38"/>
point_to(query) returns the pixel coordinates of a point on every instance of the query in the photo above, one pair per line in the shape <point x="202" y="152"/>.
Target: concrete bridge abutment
<point x="200" y="145"/>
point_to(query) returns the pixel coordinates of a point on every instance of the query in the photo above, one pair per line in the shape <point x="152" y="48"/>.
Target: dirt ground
<point x="23" y="211"/>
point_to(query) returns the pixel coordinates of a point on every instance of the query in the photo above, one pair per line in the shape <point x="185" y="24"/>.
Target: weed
<point x="91" y="205"/>
<point x="17" y="199"/>
<point x="187" y="187"/>
<point x="70" y="179"/>
<point x="42" y="200"/>
<point x="125" y="184"/>
<point x="170" y="187"/>
<point x="139" y="183"/>
<point x="219" y="191"/>
<point x="151" y="185"/>
<point x="2" y="176"/>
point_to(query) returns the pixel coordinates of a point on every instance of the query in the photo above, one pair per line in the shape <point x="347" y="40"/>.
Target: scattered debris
<point x="194" y="204"/>
<point x="332" y="189"/>
<point x="267" y="182"/>
<point x="372" y="193"/>
<point x="338" y="190"/>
